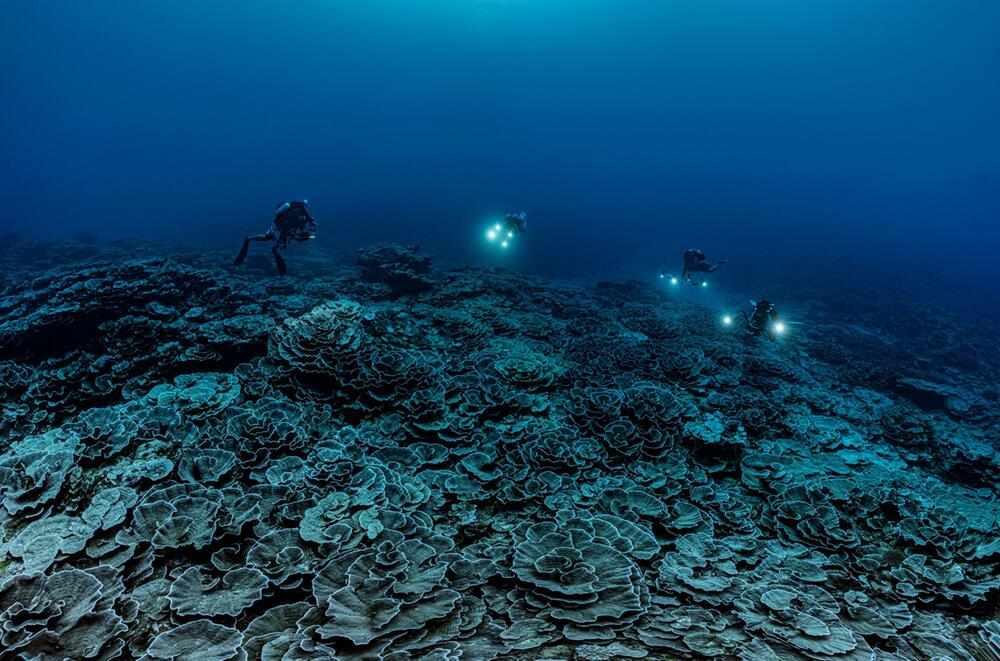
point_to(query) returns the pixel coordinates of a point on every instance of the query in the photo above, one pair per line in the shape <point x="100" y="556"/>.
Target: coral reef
<point x="404" y="269"/>
<point x="202" y="464"/>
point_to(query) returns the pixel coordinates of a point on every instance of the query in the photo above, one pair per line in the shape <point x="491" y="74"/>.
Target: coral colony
<point x="202" y="464"/>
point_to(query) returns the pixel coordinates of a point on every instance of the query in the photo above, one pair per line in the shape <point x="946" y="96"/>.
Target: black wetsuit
<point x="696" y="262"/>
<point x="760" y="319"/>
<point x="515" y="222"/>
<point x="292" y="222"/>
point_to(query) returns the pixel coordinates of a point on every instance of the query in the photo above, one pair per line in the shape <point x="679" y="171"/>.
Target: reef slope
<point x="203" y="464"/>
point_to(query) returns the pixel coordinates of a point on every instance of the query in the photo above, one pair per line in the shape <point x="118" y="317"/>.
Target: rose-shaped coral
<point x="63" y="615"/>
<point x="576" y="578"/>
<point x="324" y="340"/>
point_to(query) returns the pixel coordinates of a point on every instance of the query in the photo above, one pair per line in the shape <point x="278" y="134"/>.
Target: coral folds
<point x="200" y="464"/>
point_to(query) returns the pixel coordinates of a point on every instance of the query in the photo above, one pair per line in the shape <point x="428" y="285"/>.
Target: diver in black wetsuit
<point x="292" y="222"/>
<point x="764" y="317"/>
<point x="516" y="222"/>
<point x="696" y="262"/>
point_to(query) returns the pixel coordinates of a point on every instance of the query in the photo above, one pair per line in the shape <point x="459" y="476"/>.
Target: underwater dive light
<point x="727" y="320"/>
<point x="704" y="283"/>
<point x="779" y="327"/>
<point x="673" y="281"/>
<point x="493" y="233"/>
<point x="497" y="233"/>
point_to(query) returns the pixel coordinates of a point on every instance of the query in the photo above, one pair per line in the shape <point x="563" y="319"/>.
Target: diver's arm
<point x="282" y="240"/>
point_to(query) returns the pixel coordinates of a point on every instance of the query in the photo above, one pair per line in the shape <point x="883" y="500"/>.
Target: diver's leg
<point x="721" y="262"/>
<point x="243" y="252"/>
<point x="246" y="246"/>
<point x="279" y="262"/>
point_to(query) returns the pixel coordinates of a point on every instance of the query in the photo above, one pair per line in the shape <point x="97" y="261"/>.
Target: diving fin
<point x="279" y="262"/>
<point x="243" y="253"/>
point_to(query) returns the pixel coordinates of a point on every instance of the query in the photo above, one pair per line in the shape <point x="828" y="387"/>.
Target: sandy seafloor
<point x="398" y="462"/>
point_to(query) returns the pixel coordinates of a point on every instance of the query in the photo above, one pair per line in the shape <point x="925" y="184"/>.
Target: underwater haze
<point x="629" y="130"/>
<point x="727" y="391"/>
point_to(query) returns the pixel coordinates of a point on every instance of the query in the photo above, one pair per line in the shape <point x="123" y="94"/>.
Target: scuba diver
<point x="764" y="317"/>
<point x="696" y="262"/>
<point x="292" y="222"/>
<point x="516" y="222"/>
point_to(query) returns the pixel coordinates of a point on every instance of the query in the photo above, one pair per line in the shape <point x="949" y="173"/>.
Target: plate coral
<point x="397" y="462"/>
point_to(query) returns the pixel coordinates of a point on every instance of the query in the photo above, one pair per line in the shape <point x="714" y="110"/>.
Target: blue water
<point x="843" y="130"/>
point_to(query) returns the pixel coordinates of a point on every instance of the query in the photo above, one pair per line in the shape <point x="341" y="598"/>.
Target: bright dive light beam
<point x="673" y="281"/>
<point x="497" y="227"/>
<point x="779" y="327"/>
<point x="704" y="283"/>
<point x="727" y="320"/>
<point x="503" y="244"/>
<point x="492" y="234"/>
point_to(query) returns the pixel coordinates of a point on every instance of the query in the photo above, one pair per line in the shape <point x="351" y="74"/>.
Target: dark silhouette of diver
<point x="696" y="262"/>
<point x="292" y="222"/>
<point x="764" y="317"/>
<point x="516" y="222"/>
